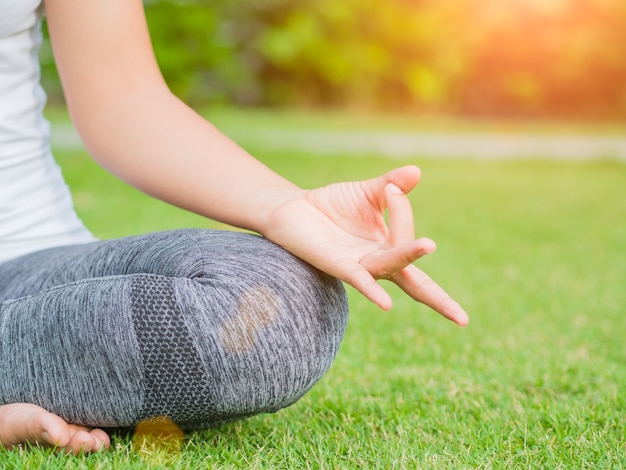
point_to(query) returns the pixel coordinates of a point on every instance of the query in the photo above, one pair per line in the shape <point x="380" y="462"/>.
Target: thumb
<point x="406" y="178"/>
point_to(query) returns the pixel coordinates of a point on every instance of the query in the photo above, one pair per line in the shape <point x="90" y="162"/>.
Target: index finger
<point x="422" y="288"/>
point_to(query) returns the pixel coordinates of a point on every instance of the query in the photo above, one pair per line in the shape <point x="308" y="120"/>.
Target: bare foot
<point x="22" y="423"/>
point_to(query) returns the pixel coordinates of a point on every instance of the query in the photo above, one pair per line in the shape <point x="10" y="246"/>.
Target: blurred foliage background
<point x="494" y="58"/>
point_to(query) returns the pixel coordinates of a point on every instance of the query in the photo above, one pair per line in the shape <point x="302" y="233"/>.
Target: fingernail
<point x="394" y="189"/>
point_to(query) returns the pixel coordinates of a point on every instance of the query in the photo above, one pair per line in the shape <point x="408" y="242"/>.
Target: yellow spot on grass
<point x="157" y="438"/>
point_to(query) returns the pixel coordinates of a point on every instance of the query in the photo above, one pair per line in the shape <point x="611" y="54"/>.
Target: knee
<point x="292" y="308"/>
<point x="314" y="312"/>
<point x="290" y="331"/>
<point x="273" y="333"/>
<point x="320" y="321"/>
<point x="254" y="275"/>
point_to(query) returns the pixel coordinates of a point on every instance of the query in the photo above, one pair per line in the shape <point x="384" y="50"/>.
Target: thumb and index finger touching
<point x="405" y="178"/>
<point x="404" y="249"/>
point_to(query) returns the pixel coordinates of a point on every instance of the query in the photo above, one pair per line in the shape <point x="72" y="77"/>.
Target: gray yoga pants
<point x="198" y="326"/>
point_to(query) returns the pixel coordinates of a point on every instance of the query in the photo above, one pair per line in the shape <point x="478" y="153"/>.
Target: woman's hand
<point x="341" y="230"/>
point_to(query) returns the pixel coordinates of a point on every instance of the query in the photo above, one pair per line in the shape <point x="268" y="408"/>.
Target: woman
<point x="198" y="326"/>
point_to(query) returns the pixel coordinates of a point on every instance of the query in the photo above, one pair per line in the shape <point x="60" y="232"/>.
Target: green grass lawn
<point x="535" y="251"/>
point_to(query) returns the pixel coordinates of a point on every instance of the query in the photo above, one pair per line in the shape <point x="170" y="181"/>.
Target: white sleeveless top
<point x="36" y="210"/>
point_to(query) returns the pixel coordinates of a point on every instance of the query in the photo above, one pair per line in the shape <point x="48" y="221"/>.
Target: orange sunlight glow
<point x="544" y="7"/>
<point x="527" y="54"/>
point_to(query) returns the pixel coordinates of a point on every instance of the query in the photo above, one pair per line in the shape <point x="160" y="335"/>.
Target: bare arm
<point x="133" y="126"/>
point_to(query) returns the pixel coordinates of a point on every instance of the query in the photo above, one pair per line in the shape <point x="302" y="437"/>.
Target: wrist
<point x="272" y="217"/>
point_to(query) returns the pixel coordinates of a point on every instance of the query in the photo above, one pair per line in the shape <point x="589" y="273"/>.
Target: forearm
<point x="136" y="128"/>
<point x="156" y="143"/>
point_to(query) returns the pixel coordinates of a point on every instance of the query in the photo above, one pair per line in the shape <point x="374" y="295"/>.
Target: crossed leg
<point x="198" y="326"/>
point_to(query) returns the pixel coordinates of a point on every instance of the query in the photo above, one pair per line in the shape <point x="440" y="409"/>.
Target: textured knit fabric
<point x="36" y="210"/>
<point x="198" y="326"/>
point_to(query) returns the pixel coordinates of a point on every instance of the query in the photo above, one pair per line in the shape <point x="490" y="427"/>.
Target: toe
<point x="81" y="441"/>
<point x="102" y="439"/>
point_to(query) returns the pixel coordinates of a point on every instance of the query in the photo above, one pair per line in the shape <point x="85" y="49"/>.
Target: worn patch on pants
<point x="257" y="308"/>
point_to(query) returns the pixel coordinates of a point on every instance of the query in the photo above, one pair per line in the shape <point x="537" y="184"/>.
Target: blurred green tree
<point x="562" y="58"/>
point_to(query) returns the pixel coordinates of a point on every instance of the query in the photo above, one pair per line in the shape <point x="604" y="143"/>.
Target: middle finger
<point x="400" y="216"/>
